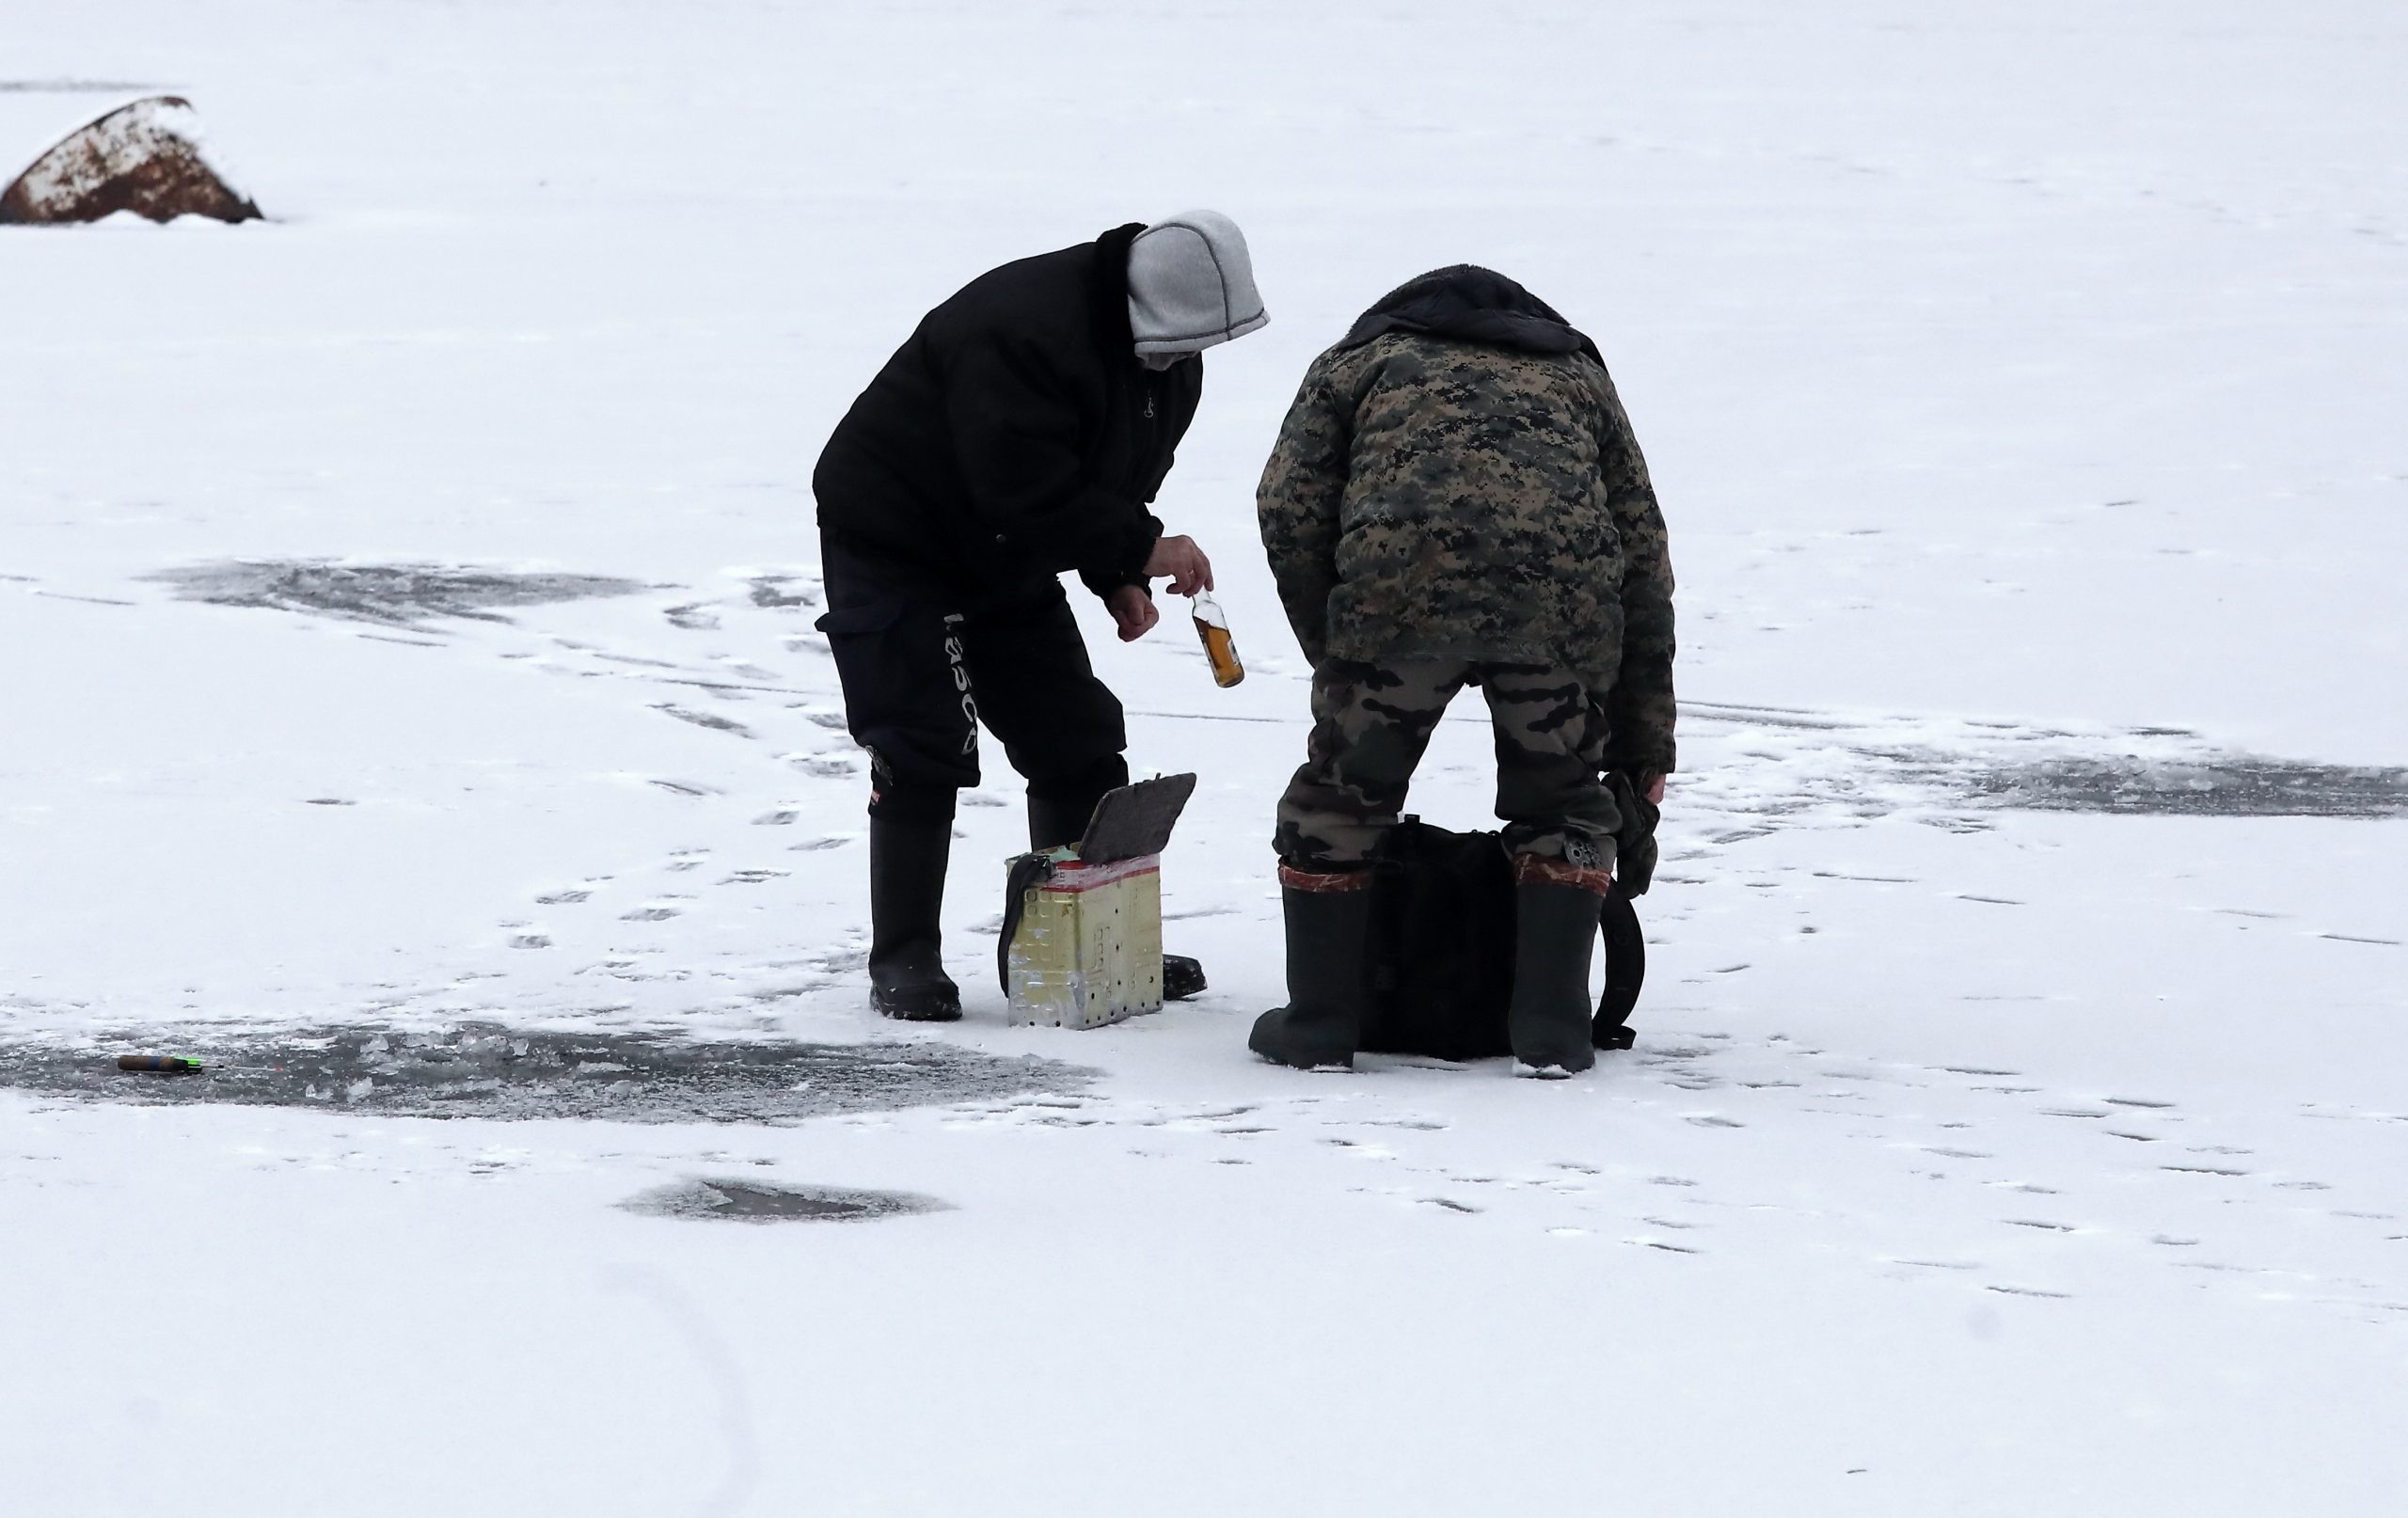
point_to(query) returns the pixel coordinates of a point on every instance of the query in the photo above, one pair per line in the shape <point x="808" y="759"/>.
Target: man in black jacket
<point x="1022" y="431"/>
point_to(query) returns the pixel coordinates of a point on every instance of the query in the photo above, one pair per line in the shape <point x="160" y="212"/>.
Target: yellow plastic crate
<point x="1088" y="948"/>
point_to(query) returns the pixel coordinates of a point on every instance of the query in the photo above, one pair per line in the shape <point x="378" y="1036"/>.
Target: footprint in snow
<point x="736" y="664"/>
<point x="707" y="719"/>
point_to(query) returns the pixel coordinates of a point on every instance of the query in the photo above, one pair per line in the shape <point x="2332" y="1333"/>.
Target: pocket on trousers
<point x="873" y="661"/>
<point x="907" y="692"/>
<point x="869" y="617"/>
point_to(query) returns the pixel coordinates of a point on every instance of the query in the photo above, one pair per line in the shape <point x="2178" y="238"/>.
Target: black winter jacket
<point x="1016" y="435"/>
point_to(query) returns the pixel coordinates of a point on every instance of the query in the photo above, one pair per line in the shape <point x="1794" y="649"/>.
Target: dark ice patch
<point x="1868" y="766"/>
<point x="2236" y="785"/>
<point x="390" y="594"/>
<point x="769" y="591"/>
<point x="69" y="87"/>
<point x="490" y="1071"/>
<point x="753" y="1201"/>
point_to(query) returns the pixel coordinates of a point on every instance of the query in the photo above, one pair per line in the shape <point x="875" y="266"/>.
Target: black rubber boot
<point x="1054" y="823"/>
<point x="1318" y="1027"/>
<point x="1183" y="977"/>
<point x="907" y="860"/>
<point x="1555" y="928"/>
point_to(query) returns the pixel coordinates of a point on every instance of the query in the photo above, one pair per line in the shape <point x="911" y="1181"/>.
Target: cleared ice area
<point x="380" y="593"/>
<point x="746" y="1201"/>
<point x="514" y="1074"/>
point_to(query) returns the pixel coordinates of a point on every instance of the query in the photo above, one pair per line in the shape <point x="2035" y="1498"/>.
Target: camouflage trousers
<point x="1371" y="722"/>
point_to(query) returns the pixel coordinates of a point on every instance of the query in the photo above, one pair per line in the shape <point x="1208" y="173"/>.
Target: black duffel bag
<point x="1441" y="960"/>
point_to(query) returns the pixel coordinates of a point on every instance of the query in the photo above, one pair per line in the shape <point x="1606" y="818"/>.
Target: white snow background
<point x="2017" y="377"/>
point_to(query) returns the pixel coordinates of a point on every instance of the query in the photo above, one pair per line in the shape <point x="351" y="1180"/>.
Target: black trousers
<point x="924" y="662"/>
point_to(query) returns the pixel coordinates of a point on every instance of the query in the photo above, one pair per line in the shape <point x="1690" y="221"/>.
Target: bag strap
<point x="1625" y="970"/>
<point x="1028" y="872"/>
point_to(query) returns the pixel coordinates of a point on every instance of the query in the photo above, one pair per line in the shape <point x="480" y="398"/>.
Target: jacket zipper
<point x="1145" y="460"/>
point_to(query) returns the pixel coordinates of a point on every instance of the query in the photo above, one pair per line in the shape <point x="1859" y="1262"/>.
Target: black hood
<point x="1470" y="304"/>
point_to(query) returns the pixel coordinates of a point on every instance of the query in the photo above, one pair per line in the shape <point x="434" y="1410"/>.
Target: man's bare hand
<point x="1183" y="561"/>
<point x="1654" y="789"/>
<point x="1133" y="611"/>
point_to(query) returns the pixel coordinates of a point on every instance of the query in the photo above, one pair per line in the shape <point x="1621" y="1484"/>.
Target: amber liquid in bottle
<point x="1213" y="627"/>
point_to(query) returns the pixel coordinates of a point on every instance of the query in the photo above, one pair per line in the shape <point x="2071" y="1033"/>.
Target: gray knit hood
<point x="1190" y="284"/>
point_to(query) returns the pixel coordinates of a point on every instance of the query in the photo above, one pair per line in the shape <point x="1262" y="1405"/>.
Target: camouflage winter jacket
<point x="1435" y="498"/>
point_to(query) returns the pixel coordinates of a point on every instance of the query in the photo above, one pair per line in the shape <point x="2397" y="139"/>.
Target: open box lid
<point x="1136" y="820"/>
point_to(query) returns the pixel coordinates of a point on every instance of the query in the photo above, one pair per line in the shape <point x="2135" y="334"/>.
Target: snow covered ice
<point x="410" y="604"/>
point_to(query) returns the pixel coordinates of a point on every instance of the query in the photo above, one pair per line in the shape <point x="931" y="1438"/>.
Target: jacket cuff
<point x="1664" y="760"/>
<point x="1123" y="562"/>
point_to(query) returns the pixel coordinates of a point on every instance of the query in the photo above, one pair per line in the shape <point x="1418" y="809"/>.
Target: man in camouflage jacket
<point x="1456" y="498"/>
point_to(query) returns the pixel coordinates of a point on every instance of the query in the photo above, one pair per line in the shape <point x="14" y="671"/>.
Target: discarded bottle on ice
<point x="1212" y="625"/>
<point x="161" y="1063"/>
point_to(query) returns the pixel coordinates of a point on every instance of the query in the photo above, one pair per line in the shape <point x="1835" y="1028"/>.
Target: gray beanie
<point x="1190" y="284"/>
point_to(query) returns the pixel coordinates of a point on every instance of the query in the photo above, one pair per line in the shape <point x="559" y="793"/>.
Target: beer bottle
<point x="1212" y="625"/>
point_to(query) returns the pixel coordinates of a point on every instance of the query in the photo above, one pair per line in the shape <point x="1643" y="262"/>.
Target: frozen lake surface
<point x="414" y="710"/>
